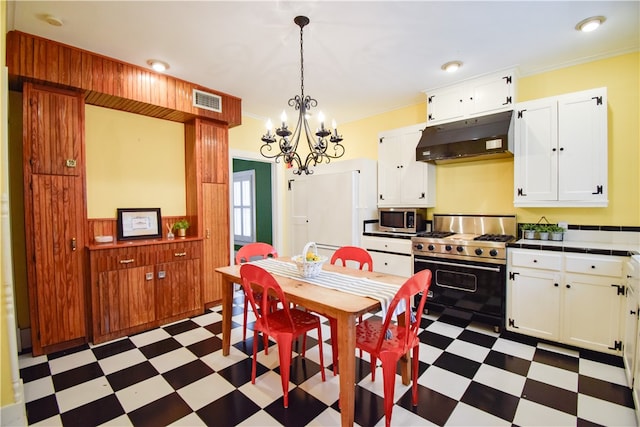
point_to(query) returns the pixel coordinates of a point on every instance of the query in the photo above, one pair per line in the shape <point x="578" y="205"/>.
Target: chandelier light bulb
<point x="321" y="120"/>
<point x="283" y="118"/>
<point x="269" y="125"/>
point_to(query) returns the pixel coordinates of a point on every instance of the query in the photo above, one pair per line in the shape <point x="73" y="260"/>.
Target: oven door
<point x="474" y="287"/>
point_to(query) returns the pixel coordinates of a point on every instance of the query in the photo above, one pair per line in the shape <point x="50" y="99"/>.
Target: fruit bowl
<point x="309" y="263"/>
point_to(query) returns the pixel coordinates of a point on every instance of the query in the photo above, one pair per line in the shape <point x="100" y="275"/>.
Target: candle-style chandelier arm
<point x="288" y="141"/>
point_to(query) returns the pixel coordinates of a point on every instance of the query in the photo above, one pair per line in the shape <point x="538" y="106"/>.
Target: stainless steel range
<point x="467" y="255"/>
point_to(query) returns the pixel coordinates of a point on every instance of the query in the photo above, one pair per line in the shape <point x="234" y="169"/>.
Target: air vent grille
<point x="208" y="101"/>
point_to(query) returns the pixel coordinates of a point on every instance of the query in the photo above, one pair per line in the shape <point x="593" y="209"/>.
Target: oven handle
<point x="476" y="267"/>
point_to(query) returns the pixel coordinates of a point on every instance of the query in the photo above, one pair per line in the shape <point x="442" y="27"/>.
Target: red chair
<point x="353" y="253"/>
<point x="247" y="253"/>
<point x="344" y="254"/>
<point x="389" y="342"/>
<point x="283" y="325"/>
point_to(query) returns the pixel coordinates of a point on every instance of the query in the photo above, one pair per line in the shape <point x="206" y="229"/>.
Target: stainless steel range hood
<point x="478" y="138"/>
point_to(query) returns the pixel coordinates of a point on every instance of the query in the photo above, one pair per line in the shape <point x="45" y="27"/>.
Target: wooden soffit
<point x="110" y="83"/>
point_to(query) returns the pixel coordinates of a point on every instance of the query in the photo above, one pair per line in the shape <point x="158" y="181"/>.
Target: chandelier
<point x="319" y="147"/>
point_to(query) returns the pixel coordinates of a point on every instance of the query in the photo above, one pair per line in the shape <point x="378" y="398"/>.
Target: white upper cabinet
<point x="560" y="151"/>
<point x="402" y="180"/>
<point x="488" y="94"/>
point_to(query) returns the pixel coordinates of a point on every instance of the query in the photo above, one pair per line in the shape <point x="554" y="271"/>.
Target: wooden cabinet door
<point x="55" y="240"/>
<point x="126" y="298"/>
<point x="178" y="288"/>
<point x="215" y="249"/>
<point x="53" y="131"/>
<point x="214" y="150"/>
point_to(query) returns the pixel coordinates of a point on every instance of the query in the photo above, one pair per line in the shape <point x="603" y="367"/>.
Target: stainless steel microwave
<point x="401" y="220"/>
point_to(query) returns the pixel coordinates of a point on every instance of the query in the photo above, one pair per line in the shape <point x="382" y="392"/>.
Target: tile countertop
<point x="622" y="243"/>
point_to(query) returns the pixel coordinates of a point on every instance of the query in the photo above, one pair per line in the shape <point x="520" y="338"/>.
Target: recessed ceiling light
<point x="451" y="66"/>
<point x="590" y="24"/>
<point x="53" y="20"/>
<point x="157" y="65"/>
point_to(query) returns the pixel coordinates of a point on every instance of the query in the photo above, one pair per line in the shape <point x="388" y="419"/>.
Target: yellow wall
<point x="6" y="389"/>
<point x="487" y="186"/>
<point x="133" y="161"/>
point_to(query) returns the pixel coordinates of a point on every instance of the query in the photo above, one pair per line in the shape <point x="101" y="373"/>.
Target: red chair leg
<point x="284" y="353"/>
<point x="414" y="374"/>
<point x="374" y="362"/>
<point x="253" y="363"/>
<point x="244" y="325"/>
<point x="389" y="381"/>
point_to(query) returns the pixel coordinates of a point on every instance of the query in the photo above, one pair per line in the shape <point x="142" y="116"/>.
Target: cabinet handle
<point x="208" y="233"/>
<point x="126" y="261"/>
<point x="535" y="260"/>
<point x="556" y="285"/>
<point x="74" y="244"/>
<point x="568" y="286"/>
<point x="178" y="254"/>
<point x="593" y="266"/>
<point x="632" y="312"/>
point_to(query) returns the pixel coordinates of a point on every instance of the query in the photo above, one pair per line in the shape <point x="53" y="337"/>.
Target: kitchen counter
<point x="595" y="242"/>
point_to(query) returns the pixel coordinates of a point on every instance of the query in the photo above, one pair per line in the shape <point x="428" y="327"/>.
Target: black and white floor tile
<point x="176" y="375"/>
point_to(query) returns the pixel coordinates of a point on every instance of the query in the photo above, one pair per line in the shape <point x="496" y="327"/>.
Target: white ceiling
<point x="360" y="57"/>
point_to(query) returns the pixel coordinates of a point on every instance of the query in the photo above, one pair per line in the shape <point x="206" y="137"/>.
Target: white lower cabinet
<point x="390" y="255"/>
<point x="567" y="298"/>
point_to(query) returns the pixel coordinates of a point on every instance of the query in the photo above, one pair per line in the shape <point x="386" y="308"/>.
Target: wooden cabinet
<point x="389" y="255"/>
<point x="570" y="298"/>
<point x="402" y="180"/>
<point x="487" y="94"/>
<point x="134" y="288"/>
<point x="560" y="151"/>
<point x="55" y="214"/>
<point x="207" y="157"/>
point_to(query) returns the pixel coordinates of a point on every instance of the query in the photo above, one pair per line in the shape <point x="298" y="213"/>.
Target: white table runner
<point x="360" y="286"/>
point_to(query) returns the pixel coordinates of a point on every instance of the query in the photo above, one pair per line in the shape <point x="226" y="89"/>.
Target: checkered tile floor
<point x="176" y="375"/>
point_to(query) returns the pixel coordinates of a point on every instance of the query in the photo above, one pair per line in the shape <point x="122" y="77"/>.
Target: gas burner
<point x="495" y="238"/>
<point x="436" y="234"/>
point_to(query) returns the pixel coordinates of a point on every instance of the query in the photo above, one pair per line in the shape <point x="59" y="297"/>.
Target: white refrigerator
<point x="330" y="206"/>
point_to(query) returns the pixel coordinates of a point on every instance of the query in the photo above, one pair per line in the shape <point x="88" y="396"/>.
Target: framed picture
<point x="141" y="223"/>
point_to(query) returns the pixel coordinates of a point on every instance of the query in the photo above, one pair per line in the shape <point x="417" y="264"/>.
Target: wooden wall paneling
<point x="75" y="68"/>
<point x="192" y="156"/>
<point x="44" y="60"/>
<point x="215" y="152"/>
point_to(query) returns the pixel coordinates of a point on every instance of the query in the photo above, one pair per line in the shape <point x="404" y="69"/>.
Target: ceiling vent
<point x="208" y="101"/>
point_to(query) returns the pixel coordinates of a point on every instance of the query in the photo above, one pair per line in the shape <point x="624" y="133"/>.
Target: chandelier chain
<point x="301" y="65"/>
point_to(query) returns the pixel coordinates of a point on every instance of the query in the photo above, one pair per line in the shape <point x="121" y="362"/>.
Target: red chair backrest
<point x="417" y="283"/>
<point x="253" y="250"/>
<point x="353" y="253"/>
<point x="254" y="275"/>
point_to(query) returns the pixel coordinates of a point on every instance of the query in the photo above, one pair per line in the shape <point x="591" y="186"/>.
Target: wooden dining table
<point x="343" y="306"/>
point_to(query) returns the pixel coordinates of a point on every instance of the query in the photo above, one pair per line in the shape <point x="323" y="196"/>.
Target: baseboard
<point x="25" y="339"/>
<point x="14" y="414"/>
